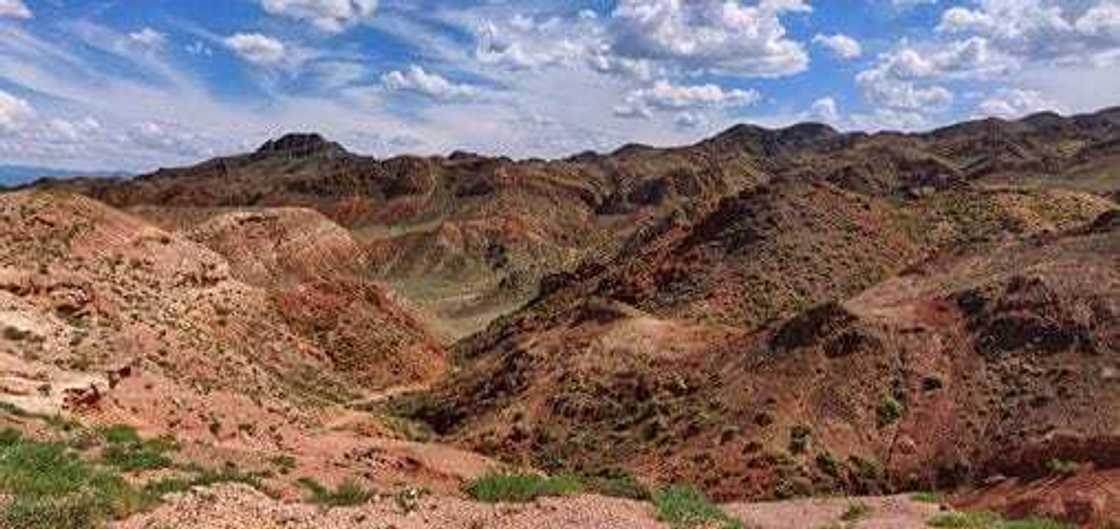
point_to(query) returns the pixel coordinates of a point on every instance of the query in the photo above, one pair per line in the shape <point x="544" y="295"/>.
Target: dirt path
<point x="238" y="507"/>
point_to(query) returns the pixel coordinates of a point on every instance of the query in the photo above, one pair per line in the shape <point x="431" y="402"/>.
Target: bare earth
<point x="241" y="507"/>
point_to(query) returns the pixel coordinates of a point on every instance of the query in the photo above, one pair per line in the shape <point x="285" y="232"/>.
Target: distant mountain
<point x="14" y="175"/>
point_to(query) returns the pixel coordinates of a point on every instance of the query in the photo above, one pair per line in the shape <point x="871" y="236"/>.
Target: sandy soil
<point x="240" y="507"/>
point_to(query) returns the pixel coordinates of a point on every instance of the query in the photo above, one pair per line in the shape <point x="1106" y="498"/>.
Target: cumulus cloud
<point x="522" y="45"/>
<point x="332" y="16"/>
<point x="664" y="95"/>
<point x="257" y="48"/>
<point x="690" y="120"/>
<point x="432" y="85"/>
<point x="148" y="38"/>
<point x="14" y="9"/>
<point x="906" y="78"/>
<point x="1013" y="103"/>
<point x="824" y="109"/>
<point x="840" y="45"/>
<point x="14" y="112"/>
<point x="1040" y="29"/>
<point x="713" y="35"/>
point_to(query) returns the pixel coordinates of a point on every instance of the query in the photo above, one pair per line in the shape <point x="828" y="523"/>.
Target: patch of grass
<point x="202" y="478"/>
<point x="129" y="453"/>
<point x="120" y="435"/>
<point x="347" y="494"/>
<point x="618" y="484"/>
<point x="928" y="497"/>
<point x="520" y="488"/>
<point x="49" y="486"/>
<point x="855" y="512"/>
<point x="987" y="520"/>
<point x="684" y="507"/>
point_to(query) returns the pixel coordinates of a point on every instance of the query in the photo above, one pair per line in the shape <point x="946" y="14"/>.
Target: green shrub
<point x="619" y="484"/>
<point x="120" y="435"/>
<point x="519" y="488"/>
<point x="129" y="453"/>
<point x="1062" y="467"/>
<point x="888" y="411"/>
<point x="684" y="507"/>
<point x="928" y="497"/>
<point x="856" y="511"/>
<point x="347" y="494"/>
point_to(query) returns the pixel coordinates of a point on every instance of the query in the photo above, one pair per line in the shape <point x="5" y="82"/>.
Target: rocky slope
<point x="766" y="313"/>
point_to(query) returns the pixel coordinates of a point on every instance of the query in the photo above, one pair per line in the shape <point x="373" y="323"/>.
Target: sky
<point x="139" y="84"/>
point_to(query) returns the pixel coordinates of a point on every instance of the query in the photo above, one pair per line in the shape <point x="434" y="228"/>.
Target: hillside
<point x="766" y="314"/>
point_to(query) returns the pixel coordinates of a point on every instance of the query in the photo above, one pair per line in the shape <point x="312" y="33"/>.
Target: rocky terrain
<point x="764" y="315"/>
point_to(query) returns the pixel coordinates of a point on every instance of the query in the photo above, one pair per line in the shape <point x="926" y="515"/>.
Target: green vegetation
<point x="855" y="512"/>
<point x="889" y="411"/>
<point x="347" y="494"/>
<point x="520" y="488"/>
<point x="202" y="478"/>
<point x="987" y="520"/>
<point x="684" y="507"/>
<point x="129" y="453"/>
<point x="51" y="487"/>
<point x="928" y="497"/>
<point x="1062" y="467"/>
<point x="618" y="484"/>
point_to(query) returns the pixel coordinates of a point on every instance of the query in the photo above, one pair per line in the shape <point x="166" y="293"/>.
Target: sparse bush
<point x="619" y="484"/>
<point x="520" y="488"/>
<point x="129" y="453"/>
<point x="888" y="411"/>
<point x="1062" y="467"/>
<point x="928" y="497"/>
<point x="684" y="507"/>
<point x="829" y="465"/>
<point x="856" y="511"/>
<point x="347" y="494"/>
<point x="799" y="439"/>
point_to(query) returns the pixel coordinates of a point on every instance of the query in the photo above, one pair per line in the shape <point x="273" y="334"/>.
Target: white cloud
<point x="1040" y="29"/>
<point x="664" y="95"/>
<point x="432" y="85"/>
<point x="690" y="120"/>
<point x="889" y="119"/>
<point x="198" y="48"/>
<point x="715" y="35"/>
<point x="1013" y="103"/>
<point x="14" y="9"/>
<point x="331" y="16"/>
<point x="841" y="45"/>
<point x="14" y="112"/>
<point x="148" y="37"/>
<point x="257" y="48"/>
<point x="72" y="131"/>
<point x="521" y="45"/>
<point x="825" y="109"/>
<point x="170" y="138"/>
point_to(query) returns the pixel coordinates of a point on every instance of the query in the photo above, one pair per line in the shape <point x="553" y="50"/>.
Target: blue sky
<point x="134" y="85"/>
